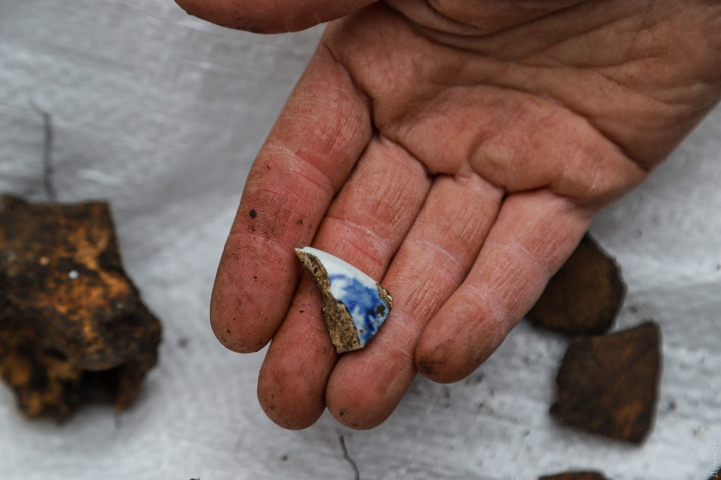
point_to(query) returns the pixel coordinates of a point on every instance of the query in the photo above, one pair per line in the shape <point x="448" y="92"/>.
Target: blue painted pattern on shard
<point x="365" y="305"/>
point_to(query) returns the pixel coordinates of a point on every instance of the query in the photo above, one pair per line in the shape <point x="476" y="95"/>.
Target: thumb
<point x="277" y="16"/>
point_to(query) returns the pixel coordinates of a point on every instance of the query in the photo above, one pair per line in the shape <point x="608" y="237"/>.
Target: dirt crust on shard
<point x="337" y="318"/>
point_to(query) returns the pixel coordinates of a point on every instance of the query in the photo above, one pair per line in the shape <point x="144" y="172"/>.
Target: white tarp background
<point x="162" y="114"/>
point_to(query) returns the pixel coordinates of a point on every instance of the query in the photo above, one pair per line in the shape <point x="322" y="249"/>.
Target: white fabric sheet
<point x="162" y="114"/>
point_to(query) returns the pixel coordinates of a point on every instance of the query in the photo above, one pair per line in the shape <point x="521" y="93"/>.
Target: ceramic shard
<point x="585" y="295"/>
<point x="72" y="326"/>
<point x="354" y="305"/>
<point x="608" y="384"/>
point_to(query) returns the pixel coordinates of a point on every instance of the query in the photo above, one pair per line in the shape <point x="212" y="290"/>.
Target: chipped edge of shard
<point x="348" y="330"/>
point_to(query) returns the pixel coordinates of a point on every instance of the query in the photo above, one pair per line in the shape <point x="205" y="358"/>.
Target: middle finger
<point x="367" y="385"/>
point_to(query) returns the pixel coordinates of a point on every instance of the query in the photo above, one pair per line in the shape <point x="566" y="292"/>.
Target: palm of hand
<point x="458" y="162"/>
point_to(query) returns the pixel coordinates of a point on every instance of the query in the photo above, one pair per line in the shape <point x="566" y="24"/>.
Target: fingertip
<point x="286" y="394"/>
<point x="460" y="337"/>
<point x="232" y="342"/>
<point x="228" y="317"/>
<point x="444" y="362"/>
<point x="274" y="403"/>
<point x="432" y="360"/>
<point x="356" y="405"/>
<point x="366" y="386"/>
<point x="252" y="291"/>
<point x="359" y="410"/>
<point x="292" y="381"/>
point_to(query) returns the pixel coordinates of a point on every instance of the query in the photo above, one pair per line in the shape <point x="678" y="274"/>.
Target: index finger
<point x="320" y="134"/>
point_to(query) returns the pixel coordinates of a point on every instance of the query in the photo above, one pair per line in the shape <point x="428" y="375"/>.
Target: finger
<point x="366" y="386"/>
<point x="535" y="233"/>
<point x="311" y="150"/>
<point x="278" y="16"/>
<point x="364" y="226"/>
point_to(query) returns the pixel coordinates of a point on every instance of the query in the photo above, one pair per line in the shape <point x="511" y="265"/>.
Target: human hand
<point x="454" y="150"/>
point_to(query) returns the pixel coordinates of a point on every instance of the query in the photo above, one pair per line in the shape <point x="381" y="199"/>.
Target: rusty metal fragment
<point x="585" y="295"/>
<point x="608" y="384"/>
<point x="72" y="326"/>
<point x="575" y="476"/>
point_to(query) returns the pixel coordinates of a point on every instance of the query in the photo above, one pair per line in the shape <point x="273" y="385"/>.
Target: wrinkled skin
<point x="456" y="150"/>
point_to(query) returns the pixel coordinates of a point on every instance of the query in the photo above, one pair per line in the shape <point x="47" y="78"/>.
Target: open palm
<point x="454" y="150"/>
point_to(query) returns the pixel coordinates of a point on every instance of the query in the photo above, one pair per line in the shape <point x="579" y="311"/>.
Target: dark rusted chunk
<point x="608" y="385"/>
<point x="575" y="476"/>
<point x="72" y="326"/>
<point x="584" y="296"/>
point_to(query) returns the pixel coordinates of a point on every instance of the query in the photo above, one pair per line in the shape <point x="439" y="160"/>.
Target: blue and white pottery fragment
<point x="354" y="305"/>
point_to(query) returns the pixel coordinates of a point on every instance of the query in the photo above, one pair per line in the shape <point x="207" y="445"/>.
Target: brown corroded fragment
<point x="608" y="384"/>
<point x="584" y="296"/>
<point x="575" y="476"/>
<point x="72" y="326"/>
